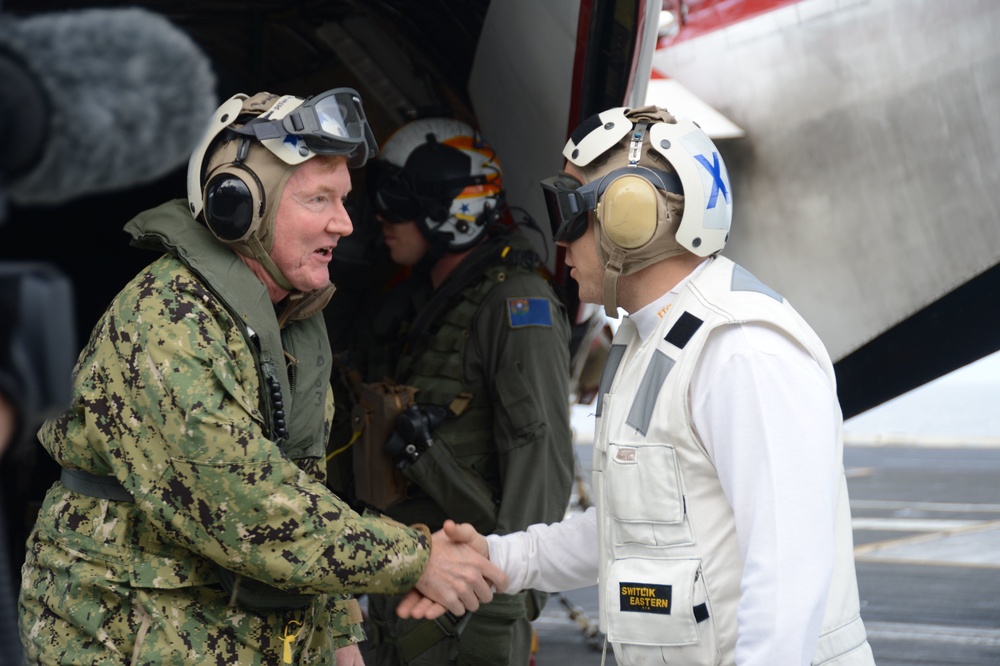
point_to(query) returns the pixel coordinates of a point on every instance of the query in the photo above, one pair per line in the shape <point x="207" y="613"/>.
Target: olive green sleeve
<point x="527" y="368"/>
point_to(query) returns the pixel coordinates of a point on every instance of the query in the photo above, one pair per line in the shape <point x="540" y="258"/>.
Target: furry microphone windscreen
<point x="129" y="95"/>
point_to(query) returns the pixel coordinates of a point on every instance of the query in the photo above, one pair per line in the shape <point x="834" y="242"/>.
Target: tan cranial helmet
<point x="657" y="185"/>
<point x="250" y="150"/>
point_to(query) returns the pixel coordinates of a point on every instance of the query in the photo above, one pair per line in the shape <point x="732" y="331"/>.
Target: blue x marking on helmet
<point x="718" y="185"/>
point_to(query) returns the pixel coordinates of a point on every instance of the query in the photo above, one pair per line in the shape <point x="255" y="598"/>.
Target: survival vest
<point x="670" y="563"/>
<point x="293" y="364"/>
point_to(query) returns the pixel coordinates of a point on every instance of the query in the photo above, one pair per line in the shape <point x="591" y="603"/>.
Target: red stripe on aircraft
<point x="705" y="16"/>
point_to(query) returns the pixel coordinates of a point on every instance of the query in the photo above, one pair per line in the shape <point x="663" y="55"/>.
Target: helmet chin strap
<point x="257" y="251"/>
<point x="437" y="248"/>
<point x="612" y="271"/>
<point x="257" y="245"/>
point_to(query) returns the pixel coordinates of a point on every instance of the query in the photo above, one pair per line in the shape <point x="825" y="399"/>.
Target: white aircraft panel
<point x="866" y="187"/>
<point x="520" y="87"/>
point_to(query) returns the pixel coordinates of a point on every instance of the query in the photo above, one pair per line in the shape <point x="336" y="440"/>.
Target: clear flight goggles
<point x="569" y="201"/>
<point x="330" y="123"/>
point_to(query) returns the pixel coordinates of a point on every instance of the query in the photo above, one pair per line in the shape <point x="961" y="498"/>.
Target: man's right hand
<point x="467" y="534"/>
<point x="458" y="576"/>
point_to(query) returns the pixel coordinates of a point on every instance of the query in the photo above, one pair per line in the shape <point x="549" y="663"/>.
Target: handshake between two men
<point x="458" y="578"/>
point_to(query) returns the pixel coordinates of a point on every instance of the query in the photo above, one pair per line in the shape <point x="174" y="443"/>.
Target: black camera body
<point x="412" y="436"/>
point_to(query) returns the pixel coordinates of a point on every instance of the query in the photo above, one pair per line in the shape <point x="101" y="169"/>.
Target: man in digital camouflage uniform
<point x="191" y="524"/>
<point x="478" y="340"/>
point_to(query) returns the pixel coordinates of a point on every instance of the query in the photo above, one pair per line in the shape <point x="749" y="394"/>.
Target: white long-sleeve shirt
<point x="767" y="415"/>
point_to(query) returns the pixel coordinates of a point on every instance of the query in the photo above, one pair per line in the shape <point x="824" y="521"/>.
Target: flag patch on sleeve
<point x="529" y="312"/>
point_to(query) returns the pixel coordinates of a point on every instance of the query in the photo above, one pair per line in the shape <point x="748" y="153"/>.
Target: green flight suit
<point x="502" y="338"/>
<point x="166" y="400"/>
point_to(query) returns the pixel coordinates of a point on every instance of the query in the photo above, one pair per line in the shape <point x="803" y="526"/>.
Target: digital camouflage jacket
<point x="166" y="400"/>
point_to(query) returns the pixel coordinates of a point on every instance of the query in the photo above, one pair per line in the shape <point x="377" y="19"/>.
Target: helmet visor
<point x="568" y="201"/>
<point x="396" y="199"/>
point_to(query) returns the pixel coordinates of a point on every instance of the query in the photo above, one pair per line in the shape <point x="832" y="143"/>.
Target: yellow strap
<point x="288" y="639"/>
<point x="357" y="433"/>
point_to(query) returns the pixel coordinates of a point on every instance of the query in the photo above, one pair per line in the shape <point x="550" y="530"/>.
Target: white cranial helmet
<point x="657" y="186"/>
<point x="441" y="174"/>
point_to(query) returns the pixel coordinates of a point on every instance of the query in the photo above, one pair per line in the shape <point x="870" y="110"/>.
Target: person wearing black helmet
<point x="722" y="528"/>
<point x="192" y="523"/>
<point x="472" y="349"/>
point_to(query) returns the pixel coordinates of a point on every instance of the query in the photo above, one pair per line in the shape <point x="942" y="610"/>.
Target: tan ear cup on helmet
<point x="628" y="212"/>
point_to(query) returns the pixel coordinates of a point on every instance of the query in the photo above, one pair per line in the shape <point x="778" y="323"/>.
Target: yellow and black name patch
<point x="645" y="598"/>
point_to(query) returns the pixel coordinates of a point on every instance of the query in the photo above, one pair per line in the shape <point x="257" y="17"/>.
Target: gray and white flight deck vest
<point x="670" y="564"/>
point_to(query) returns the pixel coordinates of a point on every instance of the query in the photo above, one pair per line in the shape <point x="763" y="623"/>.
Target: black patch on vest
<point x="683" y="329"/>
<point x="645" y="598"/>
<point x="701" y="612"/>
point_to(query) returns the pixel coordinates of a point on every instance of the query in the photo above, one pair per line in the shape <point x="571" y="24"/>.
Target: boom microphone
<point x="96" y="100"/>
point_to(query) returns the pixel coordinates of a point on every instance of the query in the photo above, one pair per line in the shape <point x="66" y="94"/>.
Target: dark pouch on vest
<point x="490" y="632"/>
<point x="535" y="602"/>
<point x="377" y="479"/>
<point x="259" y="597"/>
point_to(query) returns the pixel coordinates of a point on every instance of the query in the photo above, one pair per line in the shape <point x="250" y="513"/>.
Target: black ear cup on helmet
<point x="490" y="214"/>
<point x="232" y="212"/>
<point x="438" y="211"/>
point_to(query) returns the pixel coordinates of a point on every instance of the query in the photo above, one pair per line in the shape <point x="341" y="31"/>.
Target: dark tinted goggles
<point x="400" y="196"/>
<point x="567" y="207"/>
<point x="331" y="123"/>
<point x="568" y="201"/>
<point x="394" y="193"/>
<point x="395" y="202"/>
